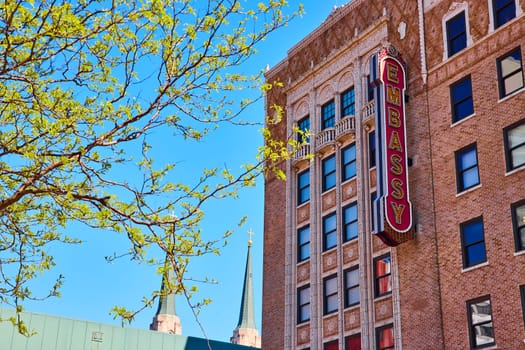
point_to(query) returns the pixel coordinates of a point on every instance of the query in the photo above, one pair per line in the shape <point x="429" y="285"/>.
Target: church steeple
<point x="246" y="332"/>
<point x="166" y="319"/>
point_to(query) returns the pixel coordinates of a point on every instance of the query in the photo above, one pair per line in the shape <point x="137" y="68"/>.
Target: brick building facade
<point x="459" y="283"/>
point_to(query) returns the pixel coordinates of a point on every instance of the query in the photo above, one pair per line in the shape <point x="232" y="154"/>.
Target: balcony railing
<point x="302" y="152"/>
<point x="369" y="111"/>
<point x="325" y="138"/>
<point x="345" y="126"/>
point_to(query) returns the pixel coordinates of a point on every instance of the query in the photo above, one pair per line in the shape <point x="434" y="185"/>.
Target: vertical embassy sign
<point x="394" y="224"/>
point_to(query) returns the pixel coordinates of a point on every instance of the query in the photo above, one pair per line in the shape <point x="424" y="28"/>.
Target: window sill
<point x="329" y="314"/>
<point x="302" y="262"/>
<point x="516" y="170"/>
<point x="468" y="190"/>
<point x="475" y="267"/>
<point x="383" y="297"/>
<point x="463" y="120"/>
<point x="303" y="204"/>
<point x="512" y="94"/>
<point x="352" y="307"/>
<point x="521" y="252"/>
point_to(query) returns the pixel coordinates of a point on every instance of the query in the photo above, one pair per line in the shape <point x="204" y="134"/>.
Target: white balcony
<point x="324" y="139"/>
<point x="345" y="127"/>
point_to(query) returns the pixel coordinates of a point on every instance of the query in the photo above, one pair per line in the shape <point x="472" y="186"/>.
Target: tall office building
<point x="402" y="220"/>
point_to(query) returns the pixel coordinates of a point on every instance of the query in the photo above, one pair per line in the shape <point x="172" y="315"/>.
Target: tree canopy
<point x="82" y="85"/>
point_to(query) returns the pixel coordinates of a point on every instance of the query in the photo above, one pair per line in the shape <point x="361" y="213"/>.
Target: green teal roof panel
<point x="60" y="333"/>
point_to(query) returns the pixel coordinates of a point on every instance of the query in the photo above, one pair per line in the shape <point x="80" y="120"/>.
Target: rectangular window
<point x="303" y="187"/>
<point x="514" y="136"/>
<point x="385" y="337"/>
<point x="518" y="223"/>
<point x="348" y="102"/>
<point x="461" y="99"/>
<point x="330" y="294"/>
<point x="329" y="172"/>
<point x="473" y="242"/>
<point x="333" y="345"/>
<point x="372" y="149"/>
<point x="303" y="304"/>
<point x="373" y="197"/>
<point x="510" y="73"/>
<point x="303" y="243"/>
<point x="467" y="174"/>
<point x="456" y="34"/>
<point x="329" y="231"/>
<point x="481" y="329"/>
<point x="352" y="295"/>
<point x="382" y="280"/>
<point x="522" y="294"/>
<point x="328" y="115"/>
<point x="353" y="342"/>
<point x="304" y="126"/>
<point x="504" y="11"/>
<point x="350" y="222"/>
<point x="348" y="160"/>
<point x="369" y="88"/>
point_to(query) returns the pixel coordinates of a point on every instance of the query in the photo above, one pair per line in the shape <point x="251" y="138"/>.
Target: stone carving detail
<point x="302" y="109"/>
<point x="303" y="335"/>
<point x="325" y="93"/>
<point x="332" y="325"/>
<point x="346" y="81"/>
<point x="383" y="310"/>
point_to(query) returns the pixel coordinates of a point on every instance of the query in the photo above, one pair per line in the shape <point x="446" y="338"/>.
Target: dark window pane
<point x="372" y="149"/>
<point x="303" y="187"/>
<point x="476" y="254"/>
<point x="518" y="223"/>
<point x="303" y="304"/>
<point x="330" y="294"/>
<point x="303" y="237"/>
<point x="456" y="34"/>
<point x="333" y="345"/>
<point x="467" y="168"/>
<point x="353" y="342"/>
<point x="350" y="222"/>
<point x="383" y="283"/>
<point x="349" y="162"/>
<point x="461" y="97"/>
<point x="304" y="126"/>
<point x="504" y="11"/>
<point x="385" y="338"/>
<point x="348" y="102"/>
<point x="330" y="231"/>
<point x="328" y="115"/>
<point x="473" y="232"/>
<point x="473" y="242"/>
<point x="329" y="179"/>
<point x="352" y="295"/>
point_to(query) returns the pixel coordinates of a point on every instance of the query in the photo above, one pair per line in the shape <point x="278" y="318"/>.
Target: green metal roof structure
<point x="60" y="333"/>
<point x="167" y="301"/>
<point x="247" y="314"/>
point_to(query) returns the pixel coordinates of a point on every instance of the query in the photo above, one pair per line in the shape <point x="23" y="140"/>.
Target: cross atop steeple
<point x="250" y="233"/>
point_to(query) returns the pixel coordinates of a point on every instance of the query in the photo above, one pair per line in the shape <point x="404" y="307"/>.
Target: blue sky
<point x="92" y="286"/>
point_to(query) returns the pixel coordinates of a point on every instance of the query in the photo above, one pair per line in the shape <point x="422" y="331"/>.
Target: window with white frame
<point x="514" y="137"/>
<point x="510" y="72"/>
<point x="481" y="328"/>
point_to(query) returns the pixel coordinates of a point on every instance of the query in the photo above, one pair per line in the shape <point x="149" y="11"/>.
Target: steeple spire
<point x="166" y="319"/>
<point x="246" y="332"/>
